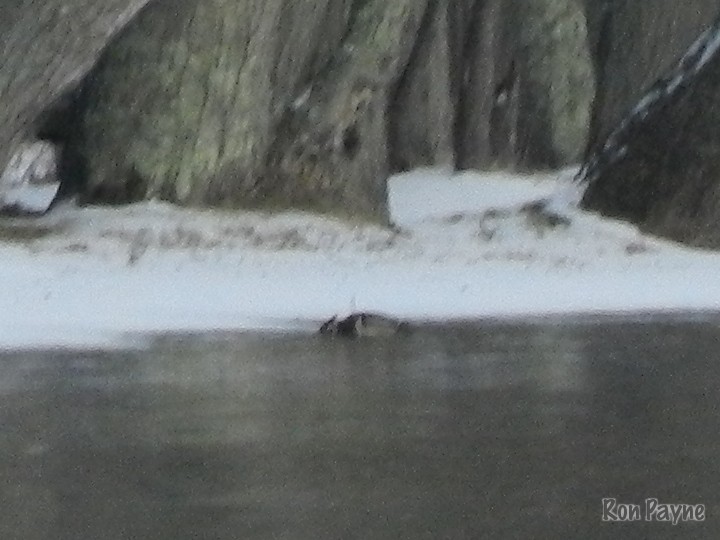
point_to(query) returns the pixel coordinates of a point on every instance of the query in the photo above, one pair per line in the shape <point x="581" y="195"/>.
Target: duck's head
<point x="330" y="327"/>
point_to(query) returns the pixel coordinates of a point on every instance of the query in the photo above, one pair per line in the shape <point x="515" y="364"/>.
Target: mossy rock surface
<point x="250" y="103"/>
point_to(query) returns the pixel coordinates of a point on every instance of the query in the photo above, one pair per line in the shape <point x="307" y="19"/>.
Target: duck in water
<point x="361" y="325"/>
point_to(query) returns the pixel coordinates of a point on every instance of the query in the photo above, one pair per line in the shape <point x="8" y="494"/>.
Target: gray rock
<point x="660" y="169"/>
<point x="47" y="47"/>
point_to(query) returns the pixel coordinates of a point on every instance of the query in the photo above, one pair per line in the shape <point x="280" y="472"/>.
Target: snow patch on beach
<point x="464" y="246"/>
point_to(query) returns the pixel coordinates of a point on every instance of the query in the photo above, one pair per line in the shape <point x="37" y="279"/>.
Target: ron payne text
<point x="652" y="510"/>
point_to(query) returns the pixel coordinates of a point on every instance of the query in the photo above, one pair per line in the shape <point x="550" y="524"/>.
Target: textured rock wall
<point x="635" y="43"/>
<point x="661" y="168"/>
<point x="46" y="48"/>
<point x="527" y="87"/>
<point x="312" y="103"/>
<point x="253" y="102"/>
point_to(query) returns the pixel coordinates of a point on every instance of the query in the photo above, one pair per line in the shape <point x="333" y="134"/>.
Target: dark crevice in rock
<point x="398" y="162"/>
<point x="60" y="124"/>
<point x="351" y="142"/>
<point x="467" y="56"/>
<point x="601" y="48"/>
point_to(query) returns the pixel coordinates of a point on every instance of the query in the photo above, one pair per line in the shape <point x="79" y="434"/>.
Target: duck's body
<point x="362" y="325"/>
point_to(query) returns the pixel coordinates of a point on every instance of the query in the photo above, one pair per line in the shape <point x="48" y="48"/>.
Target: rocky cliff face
<point x="250" y="103"/>
<point x="634" y="44"/>
<point x="46" y="48"/>
<point x="312" y="103"/>
<point x="524" y="83"/>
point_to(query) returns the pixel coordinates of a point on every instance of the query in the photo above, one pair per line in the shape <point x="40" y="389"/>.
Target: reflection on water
<point x="485" y="432"/>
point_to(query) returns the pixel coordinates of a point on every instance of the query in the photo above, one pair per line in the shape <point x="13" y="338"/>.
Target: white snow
<point x="465" y="248"/>
<point x="31" y="198"/>
<point x="29" y="182"/>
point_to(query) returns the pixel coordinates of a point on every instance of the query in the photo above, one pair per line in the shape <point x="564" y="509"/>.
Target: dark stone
<point x="660" y="169"/>
<point x="541" y="217"/>
<point x="633" y="44"/>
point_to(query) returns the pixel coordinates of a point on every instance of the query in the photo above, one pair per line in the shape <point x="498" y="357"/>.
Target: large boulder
<point x="660" y="168"/>
<point x="634" y="43"/>
<point x="250" y="103"/>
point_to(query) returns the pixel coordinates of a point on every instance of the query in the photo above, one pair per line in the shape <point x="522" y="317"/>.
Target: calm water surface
<point x="493" y="431"/>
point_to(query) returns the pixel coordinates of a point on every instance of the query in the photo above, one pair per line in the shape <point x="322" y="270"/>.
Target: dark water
<point x="486" y="432"/>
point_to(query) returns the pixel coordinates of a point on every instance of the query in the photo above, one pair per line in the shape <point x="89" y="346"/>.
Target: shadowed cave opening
<point x="61" y="124"/>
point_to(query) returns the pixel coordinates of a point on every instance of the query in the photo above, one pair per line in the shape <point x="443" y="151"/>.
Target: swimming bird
<point x="362" y="324"/>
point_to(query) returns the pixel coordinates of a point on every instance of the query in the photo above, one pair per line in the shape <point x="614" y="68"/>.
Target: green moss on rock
<point x="559" y="65"/>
